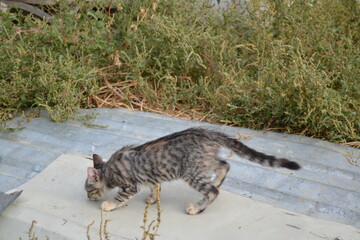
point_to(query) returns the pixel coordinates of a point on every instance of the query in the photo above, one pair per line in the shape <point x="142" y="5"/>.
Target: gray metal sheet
<point x="328" y="185"/>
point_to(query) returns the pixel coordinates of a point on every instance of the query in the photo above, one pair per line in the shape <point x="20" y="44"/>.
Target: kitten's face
<point x="94" y="184"/>
<point x="94" y="189"/>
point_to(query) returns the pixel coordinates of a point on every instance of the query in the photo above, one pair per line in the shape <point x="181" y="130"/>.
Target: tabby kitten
<point x="190" y="155"/>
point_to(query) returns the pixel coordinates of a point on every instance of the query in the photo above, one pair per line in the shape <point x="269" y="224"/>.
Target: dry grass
<point x="111" y="96"/>
<point x="353" y="144"/>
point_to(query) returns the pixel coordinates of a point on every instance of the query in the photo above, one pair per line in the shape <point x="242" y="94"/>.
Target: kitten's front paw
<point x="108" y="206"/>
<point x="191" y="209"/>
<point x="150" y="200"/>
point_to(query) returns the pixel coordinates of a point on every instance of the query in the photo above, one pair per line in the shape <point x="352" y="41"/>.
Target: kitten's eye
<point x="94" y="195"/>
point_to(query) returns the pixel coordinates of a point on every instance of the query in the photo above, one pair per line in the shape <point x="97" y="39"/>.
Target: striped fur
<point x="190" y="155"/>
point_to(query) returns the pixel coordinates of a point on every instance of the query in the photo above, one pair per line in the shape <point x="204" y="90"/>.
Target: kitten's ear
<point x="93" y="174"/>
<point x="98" y="162"/>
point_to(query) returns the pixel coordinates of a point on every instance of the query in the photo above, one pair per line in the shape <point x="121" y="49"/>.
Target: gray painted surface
<point x="328" y="185"/>
<point x="7" y="199"/>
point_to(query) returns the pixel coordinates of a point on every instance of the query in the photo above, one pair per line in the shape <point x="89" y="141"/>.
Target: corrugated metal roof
<point x="328" y="185"/>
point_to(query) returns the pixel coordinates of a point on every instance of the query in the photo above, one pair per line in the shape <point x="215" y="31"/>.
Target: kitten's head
<point x="95" y="185"/>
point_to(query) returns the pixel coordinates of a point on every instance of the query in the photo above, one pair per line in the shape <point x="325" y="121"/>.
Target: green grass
<point x="291" y="66"/>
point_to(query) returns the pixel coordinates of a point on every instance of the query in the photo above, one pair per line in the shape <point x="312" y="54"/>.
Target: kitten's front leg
<point x="122" y="196"/>
<point x="153" y="197"/>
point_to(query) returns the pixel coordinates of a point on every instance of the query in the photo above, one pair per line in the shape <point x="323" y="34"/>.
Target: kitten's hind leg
<point x="122" y="196"/>
<point x="221" y="170"/>
<point x="209" y="191"/>
<point x="152" y="198"/>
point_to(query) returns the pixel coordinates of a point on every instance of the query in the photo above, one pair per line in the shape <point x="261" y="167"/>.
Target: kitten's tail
<point x="253" y="155"/>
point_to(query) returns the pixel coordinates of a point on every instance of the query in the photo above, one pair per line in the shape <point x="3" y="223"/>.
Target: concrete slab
<point x="327" y="187"/>
<point x="56" y="199"/>
<point x="7" y="199"/>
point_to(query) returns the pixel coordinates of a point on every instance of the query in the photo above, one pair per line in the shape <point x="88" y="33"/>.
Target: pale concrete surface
<point x="56" y="199"/>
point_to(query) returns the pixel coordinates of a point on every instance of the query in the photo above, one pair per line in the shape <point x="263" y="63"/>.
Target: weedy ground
<point x="290" y="66"/>
<point x="149" y="230"/>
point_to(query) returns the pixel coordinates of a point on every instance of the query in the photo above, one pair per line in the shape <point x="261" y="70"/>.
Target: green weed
<point x="290" y="66"/>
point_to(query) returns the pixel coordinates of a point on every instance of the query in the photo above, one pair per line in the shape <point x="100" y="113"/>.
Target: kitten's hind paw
<point x="191" y="209"/>
<point x="108" y="206"/>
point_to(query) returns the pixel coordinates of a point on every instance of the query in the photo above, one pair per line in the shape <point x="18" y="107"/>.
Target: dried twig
<point x="31" y="234"/>
<point x="147" y="230"/>
<point x="88" y="229"/>
<point x="106" y="233"/>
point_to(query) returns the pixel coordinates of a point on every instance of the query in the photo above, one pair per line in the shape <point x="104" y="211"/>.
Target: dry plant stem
<point x="101" y="224"/>
<point x="147" y="230"/>
<point x="146" y="212"/>
<point x="240" y="135"/>
<point x="102" y="228"/>
<point x="88" y="229"/>
<point x="106" y="233"/>
<point x="158" y="209"/>
<point x="30" y="232"/>
<point x="353" y="144"/>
